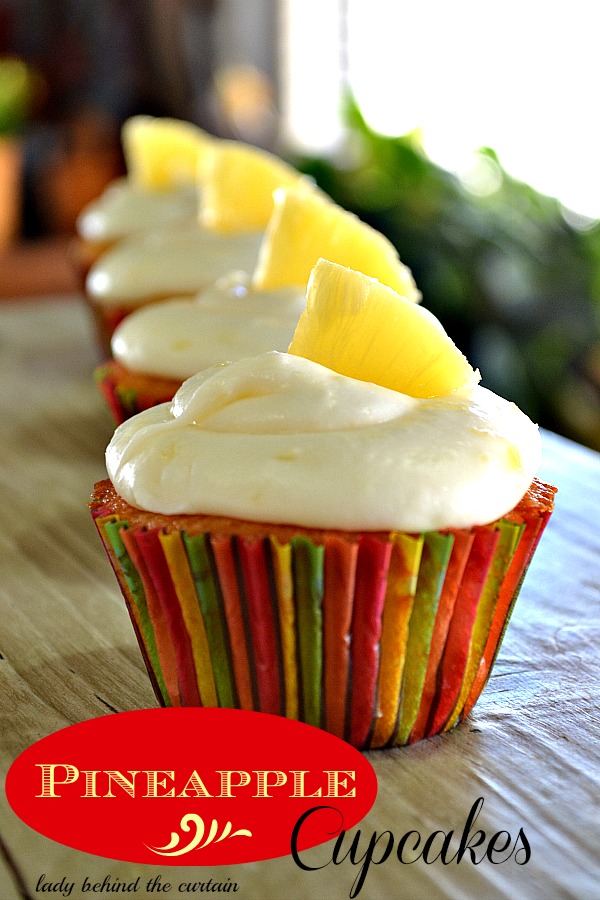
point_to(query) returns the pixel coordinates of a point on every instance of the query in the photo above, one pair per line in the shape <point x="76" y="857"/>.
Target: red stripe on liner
<point x="108" y="388"/>
<point x="340" y="570"/>
<point x="456" y="651"/>
<point x="369" y="595"/>
<point x="263" y="625"/>
<point x="152" y="552"/>
<point x="164" y="644"/>
<point x="225" y="565"/>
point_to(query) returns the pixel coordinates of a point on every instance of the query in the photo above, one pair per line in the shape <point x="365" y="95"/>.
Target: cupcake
<point x="159" y="346"/>
<point x="182" y="258"/>
<point x="301" y="540"/>
<point x="163" y="159"/>
<point x="156" y="348"/>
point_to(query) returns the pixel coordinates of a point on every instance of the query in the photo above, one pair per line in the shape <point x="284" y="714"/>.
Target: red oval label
<point x="190" y="786"/>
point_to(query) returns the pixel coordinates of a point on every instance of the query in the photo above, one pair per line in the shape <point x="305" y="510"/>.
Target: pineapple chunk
<point x="239" y="181"/>
<point x="161" y="153"/>
<point x="307" y="225"/>
<point x="359" y="327"/>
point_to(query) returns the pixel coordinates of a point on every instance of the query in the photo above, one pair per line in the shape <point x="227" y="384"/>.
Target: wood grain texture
<point x="531" y="747"/>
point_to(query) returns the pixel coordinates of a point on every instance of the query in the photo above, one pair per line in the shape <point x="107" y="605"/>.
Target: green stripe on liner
<point x="432" y="572"/>
<point x="307" y="569"/>
<point x="136" y="587"/>
<point x="510" y="534"/>
<point x="100" y="373"/>
<point x="128" y="399"/>
<point x="515" y="596"/>
<point x="209" y="594"/>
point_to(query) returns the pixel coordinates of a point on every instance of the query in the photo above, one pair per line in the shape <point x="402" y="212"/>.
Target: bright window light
<point x="311" y="73"/>
<point x="519" y="77"/>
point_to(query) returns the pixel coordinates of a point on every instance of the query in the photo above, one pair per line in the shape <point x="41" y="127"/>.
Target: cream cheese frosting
<point x="228" y="321"/>
<point x="278" y="438"/>
<point x="180" y="259"/>
<point x="125" y="208"/>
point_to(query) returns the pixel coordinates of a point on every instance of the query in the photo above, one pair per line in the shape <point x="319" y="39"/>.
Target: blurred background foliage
<point x="513" y="276"/>
<point x="16" y="90"/>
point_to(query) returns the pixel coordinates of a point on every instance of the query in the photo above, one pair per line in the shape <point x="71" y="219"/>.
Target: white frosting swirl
<point x="228" y="321"/>
<point x="277" y="438"/>
<point x="125" y="208"/>
<point x="166" y="262"/>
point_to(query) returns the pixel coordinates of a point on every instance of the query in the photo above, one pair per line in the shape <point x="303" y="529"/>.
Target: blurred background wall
<point x="89" y="64"/>
<point x="384" y="104"/>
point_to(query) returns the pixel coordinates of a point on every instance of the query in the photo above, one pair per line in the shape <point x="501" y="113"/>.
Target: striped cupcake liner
<point x="127" y="393"/>
<point x="105" y="319"/>
<point x="383" y="640"/>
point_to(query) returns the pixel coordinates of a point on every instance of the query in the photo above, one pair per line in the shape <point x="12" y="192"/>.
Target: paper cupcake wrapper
<point x="127" y="393"/>
<point x="380" y="639"/>
<point x="83" y="254"/>
<point x="105" y="319"/>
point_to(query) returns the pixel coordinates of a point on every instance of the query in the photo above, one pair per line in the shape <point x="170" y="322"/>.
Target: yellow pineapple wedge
<point x="359" y="327"/>
<point x="161" y="153"/>
<point x="238" y="185"/>
<point x="306" y="226"/>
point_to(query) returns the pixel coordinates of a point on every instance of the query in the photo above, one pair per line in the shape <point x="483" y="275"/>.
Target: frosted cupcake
<point x="163" y="159"/>
<point x="297" y="540"/>
<point x="184" y="258"/>
<point x="157" y="347"/>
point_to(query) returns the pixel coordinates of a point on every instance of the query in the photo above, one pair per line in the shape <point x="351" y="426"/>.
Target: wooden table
<point x="531" y="748"/>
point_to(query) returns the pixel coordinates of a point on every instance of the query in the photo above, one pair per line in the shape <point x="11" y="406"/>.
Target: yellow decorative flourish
<point x="173" y="849"/>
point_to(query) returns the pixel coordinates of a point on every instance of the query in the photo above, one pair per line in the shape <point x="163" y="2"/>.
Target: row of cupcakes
<point x="191" y="209"/>
<point x="334" y="530"/>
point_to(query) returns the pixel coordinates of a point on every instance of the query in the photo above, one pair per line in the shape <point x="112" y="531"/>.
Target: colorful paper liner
<point x="105" y="319"/>
<point x="128" y="393"/>
<point x="84" y="253"/>
<point x="383" y="640"/>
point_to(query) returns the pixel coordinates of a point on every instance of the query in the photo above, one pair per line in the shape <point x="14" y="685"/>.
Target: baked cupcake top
<point x="228" y="321"/>
<point x="283" y="439"/>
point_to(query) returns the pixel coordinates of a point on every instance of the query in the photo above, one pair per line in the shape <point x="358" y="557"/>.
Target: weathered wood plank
<point x="530" y="748"/>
